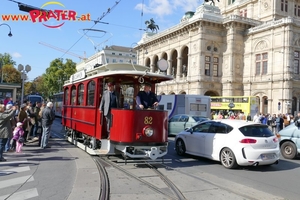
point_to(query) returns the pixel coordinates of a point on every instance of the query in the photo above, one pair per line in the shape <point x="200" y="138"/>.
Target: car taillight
<point x="248" y="141"/>
<point x="275" y="139"/>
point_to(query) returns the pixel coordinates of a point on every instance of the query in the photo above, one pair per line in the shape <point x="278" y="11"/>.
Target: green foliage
<point x="49" y="83"/>
<point x="56" y="74"/>
<point x="10" y="74"/>
<point x="6" y="59"/>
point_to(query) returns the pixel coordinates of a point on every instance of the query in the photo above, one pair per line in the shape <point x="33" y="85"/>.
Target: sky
<point x="121" y="24"/>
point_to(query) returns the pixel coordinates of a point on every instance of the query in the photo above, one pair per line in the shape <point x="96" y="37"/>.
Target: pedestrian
<point x="18" y="138"/>
<point x="8" y="107"/>
<point x="273" y="123"/>
<point x="297" y="117"/>
<point x="146" y="99"/>
<point x="6" y="100"/>
<point x="48" y="117"/>
<point x="109" y="100"/>
<point x="249" y="117"/>
<point x="257" y="118"/>
<point x="34" y="119"/>
<point x="23" y="118"/>
<point x="40" y="127"/>
<point x="31" y="115"/>
<point x="279" y="123"/>
<point x="5" y="128"/>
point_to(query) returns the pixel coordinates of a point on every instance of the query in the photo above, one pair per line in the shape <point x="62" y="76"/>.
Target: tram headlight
<point x="148" y="131"/>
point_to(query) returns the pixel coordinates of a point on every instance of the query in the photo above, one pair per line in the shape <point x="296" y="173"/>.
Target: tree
<point x="56" y="74"/>
<point x="6" y="59"/>
<point x="151" y="25"/>
<point x="7" y="67"/>
<point x="10" y="74"/>
<point x="39" y="85"/>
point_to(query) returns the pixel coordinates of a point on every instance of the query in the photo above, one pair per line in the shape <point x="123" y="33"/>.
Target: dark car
<point x="180" y="122"/>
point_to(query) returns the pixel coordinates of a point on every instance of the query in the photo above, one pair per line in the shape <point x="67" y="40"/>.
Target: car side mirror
<point x="297" y="123"/>
<point x="189" y="130"/>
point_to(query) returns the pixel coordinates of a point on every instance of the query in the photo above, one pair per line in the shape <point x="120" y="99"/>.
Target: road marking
<point x="14" y="170"/>
<point x="13" y="162"/>
<point x="22" y="195"/>
<point x="15" y="181"/>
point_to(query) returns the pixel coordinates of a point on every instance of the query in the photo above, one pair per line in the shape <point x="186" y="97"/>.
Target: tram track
<point x="173" y="193"/>
<point x="104" y="183"/>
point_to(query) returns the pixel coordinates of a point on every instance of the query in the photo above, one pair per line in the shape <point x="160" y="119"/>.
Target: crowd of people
<point x="28" y="122"/>
<point x="276" y="122"/>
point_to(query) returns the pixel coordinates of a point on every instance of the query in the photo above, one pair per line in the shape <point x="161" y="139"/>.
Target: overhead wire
<point x="95" y="23"/>
<point x="142" y="15"/>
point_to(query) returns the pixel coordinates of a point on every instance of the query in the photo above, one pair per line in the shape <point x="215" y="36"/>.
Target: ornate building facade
<point x="235" y="48"/>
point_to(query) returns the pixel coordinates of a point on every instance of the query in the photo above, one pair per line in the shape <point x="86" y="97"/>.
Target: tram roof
<point x="119" y="69"/>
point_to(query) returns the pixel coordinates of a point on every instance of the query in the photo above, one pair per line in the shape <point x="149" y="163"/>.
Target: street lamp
<point x="9" y="34"/>
<point x="23" y="77"/>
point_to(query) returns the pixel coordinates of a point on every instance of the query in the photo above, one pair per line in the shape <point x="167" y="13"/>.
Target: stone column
<point x="169" y="70"/>
<point x="179" y="68"/>
<point x="152" y="67"/>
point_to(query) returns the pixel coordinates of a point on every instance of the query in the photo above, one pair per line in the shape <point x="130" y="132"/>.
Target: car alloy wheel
<point x="180" y="147"/>
<point x="227" y="158"/>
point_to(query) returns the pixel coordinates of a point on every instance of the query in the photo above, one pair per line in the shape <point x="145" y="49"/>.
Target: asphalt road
<point x="280" y="180"/>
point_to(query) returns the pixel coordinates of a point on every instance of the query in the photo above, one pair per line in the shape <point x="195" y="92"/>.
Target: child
<point x="18" y="133"/>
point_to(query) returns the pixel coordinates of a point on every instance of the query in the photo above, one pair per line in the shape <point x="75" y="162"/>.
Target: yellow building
<point x="235" y="48"/>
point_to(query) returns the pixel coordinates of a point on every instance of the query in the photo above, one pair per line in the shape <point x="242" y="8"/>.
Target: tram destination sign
<point x="77" y="76"/>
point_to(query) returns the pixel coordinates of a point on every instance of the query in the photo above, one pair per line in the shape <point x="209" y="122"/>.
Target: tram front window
<point x="127" y="93"/>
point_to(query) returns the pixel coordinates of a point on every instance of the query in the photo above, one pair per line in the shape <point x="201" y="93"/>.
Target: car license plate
<point x="267" y="156"/>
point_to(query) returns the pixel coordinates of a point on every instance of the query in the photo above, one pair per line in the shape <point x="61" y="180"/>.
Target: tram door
<point x="100" y="120"/>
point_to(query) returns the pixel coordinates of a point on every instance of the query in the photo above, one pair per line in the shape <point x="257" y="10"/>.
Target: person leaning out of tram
<point x="146" y="99"/>
<point x="109" y="100"/>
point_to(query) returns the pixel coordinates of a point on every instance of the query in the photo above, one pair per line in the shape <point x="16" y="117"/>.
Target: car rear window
<point x="256" y="131"/>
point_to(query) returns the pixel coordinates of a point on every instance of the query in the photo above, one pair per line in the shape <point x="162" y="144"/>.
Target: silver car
<point x="180" y="122"/>
<point x="290" y="140"/>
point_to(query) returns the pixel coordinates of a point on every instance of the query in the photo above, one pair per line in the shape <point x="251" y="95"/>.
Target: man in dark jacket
<point x="146" y="99"/>
<point x="48" y="117"/>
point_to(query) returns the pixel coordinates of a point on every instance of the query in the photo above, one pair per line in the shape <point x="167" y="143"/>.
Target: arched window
<point x="80" y="94"/>
<point x="66" y="99"/>
<point x="91" y="93"/>
<point x="73" y="98"/>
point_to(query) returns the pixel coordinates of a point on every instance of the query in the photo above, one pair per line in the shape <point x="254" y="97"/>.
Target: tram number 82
<point x="148" y="120"/>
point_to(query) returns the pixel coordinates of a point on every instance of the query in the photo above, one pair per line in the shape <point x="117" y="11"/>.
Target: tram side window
<point x="91" y="93"/>
<point x="73" y="95"/>
<point x="80" y="94"/>
<point x="66" y="100"/>
<point x="128" y="92"/>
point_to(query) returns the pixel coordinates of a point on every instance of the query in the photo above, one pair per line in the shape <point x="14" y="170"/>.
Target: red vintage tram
<point x="134" y="133"/>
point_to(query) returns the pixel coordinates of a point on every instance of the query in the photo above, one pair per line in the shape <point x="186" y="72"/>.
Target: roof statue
<point x="151" y="25"/>
<point x="212" y="2"/>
